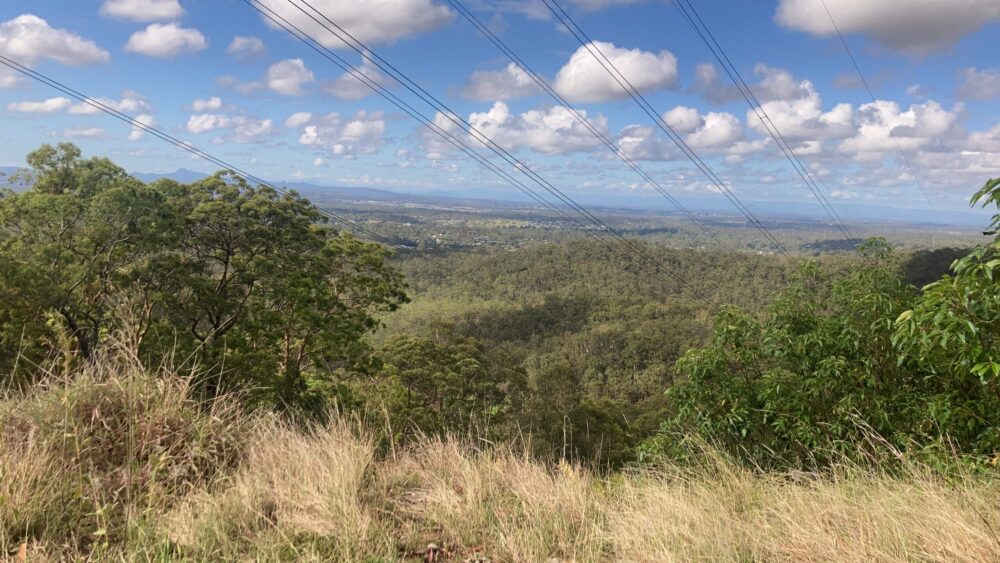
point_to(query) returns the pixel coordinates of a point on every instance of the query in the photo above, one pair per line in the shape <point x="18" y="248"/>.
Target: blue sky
<point x="270" y="105"/>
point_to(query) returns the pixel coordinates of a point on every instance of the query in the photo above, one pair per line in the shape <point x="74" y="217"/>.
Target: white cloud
<point x="779" y="84"/>
<point x="83" y="133"/>
<point x="979" y="84"/>
<point x="801" y="116"/>
<point x="713" y="130"/>
<point x="51" y="105"/>
<point x="236" y="84"/>
<point x="583" y="79"/>
<point x="683" y="119"/>
<point x="205" y="122"/>
<point x="320" y="161"/>
<point x="773" y="84"/>
<point x="349" y="88"/>
<point x="166" y="41"/>
<point x="242" y="129"/>
<point x="244" y="48"/>
<point x="28" y="39"/>
<point x="142" y="10"/>
<point x="641" y="142"/>
<point x="709" y="86"/>
<point x="916" y="91"/>
<point x="717" y="130"/>
<point x="138" y="132"/>
<point x="506" y="84"/>
<point x="985" y="141"/>
<point x="287" y="77"/>
<point x="915" y="128"/>
<point x="361" y="134"/>
<point x="131" y="102"/>
<point x="381" y="21"/>
<point x="550" y="131"/>
<point x="210" y="104"/>
<point x="912" y="26"/>
<point x="298" y="119"/>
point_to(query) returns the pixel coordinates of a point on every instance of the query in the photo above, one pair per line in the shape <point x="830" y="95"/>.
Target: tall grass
<point x="116" y="464"/>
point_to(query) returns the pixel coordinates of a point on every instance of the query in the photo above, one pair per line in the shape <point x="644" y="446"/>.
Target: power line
<point x="644" y="104"/>
<point x="409" y="110"/>
<point x="446" y="112"/>
<point x="188" y="147"/>
<point x="544" y="85"/>
<point x="439" y="106"/>
<point x="871" y="94"/>
<point x="693" y="19"/>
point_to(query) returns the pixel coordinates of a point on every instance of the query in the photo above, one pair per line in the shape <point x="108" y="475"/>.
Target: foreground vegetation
<point x="210" y="371"/>
<point x="115" y="463"/>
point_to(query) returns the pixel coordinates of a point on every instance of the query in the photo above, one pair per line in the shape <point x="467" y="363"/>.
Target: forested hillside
<point x="234" y="306"/>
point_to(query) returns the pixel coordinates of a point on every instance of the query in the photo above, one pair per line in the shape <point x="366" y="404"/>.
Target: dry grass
<point x="117" y="465"/>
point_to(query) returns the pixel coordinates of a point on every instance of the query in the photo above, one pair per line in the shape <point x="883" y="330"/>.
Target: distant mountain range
<point x="850" y="212"/>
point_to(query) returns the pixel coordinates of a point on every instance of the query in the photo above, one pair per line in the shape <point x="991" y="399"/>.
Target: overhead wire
<point x="195" y="151"/>
<point x="660" y="122"/>
<point x="447" y="113"/>
<point x="694" y="20"/>
<point x="542" y="83"/>
<point x="188" y="147"/>
<point x="878" y="108"/>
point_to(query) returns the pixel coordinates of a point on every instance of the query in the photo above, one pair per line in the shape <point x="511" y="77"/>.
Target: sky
<point x="216" y="74"/>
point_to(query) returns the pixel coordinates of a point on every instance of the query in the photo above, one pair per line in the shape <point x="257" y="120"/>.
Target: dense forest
<point x="593" y="353"/>
<point x="574" y="351"/>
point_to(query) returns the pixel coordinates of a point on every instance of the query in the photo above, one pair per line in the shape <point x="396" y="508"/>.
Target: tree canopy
<point x="246" y="280"/>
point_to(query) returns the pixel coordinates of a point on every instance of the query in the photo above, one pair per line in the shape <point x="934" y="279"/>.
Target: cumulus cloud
<point x="915" y="128"/>
<point x="583" y="79"/>
<point x="912" y="26"/>
<point x="979" y="84"/>
<point x="507" y="83"/>
<point x="349" y="88"/>
<point x="710" y="87"/>
<point x="138" y="132"/>
<point x="130" y="102"/>
<point x="142" y="10"/>
<point x="29" y="39"/>
<point x="800" y="115"/>
<point x="370" y="22"/>
<point x="298" y="119"/>
<point x="212" y="103"/>
<point x="779" y="84"/>
<point x="984" y="141"/>
<point x="683" y="119"/>
<point x="362" y="133"/>
<point x="287" y="77"/>
<point x="713" y="130"/>
<point x="772" y="84"/>
<point x="51" y="105"/>
<point x="244" y="48"/>
<point x="641" y="142"/>
<point x="166" y="41"/>
<point x="549" y="131"/>
<point x="242" y="129"/>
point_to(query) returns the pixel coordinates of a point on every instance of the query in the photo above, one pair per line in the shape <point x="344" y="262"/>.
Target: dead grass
<point x="118" y="465"/>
